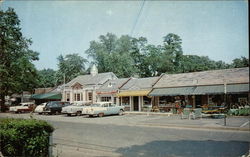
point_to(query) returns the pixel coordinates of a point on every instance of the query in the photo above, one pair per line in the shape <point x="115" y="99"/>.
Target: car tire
<point x="121" y="112"/>
<point x="78" y="113"/>
<point x="69" y="114"/>
<point x="100" y="114"/>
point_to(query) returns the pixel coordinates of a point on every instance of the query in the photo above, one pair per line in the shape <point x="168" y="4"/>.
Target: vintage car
<point x="74" y="109"/>
<point x="23" y="107"/>
<point x="39" y="108"/>
<point x="103" y="108"/>
<point x="54" y="107"/>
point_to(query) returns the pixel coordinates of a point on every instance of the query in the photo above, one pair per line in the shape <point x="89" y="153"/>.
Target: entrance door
<point x="198" y="101"/>
<point x="136" y="104"/>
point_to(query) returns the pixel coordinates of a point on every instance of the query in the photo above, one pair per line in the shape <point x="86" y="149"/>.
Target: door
<point x="136" y="104"/>
<point x="198" y="101"/>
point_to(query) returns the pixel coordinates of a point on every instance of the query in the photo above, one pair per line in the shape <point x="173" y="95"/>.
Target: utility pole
<point x="64" y="87"/>
<point x="225" y="100"/>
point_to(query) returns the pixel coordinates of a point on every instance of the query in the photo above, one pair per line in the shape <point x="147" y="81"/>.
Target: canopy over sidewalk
<point x="47" y="96"/>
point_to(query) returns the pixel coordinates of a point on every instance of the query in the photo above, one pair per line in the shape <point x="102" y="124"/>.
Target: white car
<point x="74" y="109"/>
<point x="39" y="108"/>
<point x="23" y="107"/>
<point x="103" y="108"/>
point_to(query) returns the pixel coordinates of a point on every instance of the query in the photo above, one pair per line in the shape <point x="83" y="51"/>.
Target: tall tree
<point x="113" y="54"/>
<point x="47" y="78"/>
<point x="71" y="66"/>
<point x="172" y="52"/>
<point x="17" y="73"/>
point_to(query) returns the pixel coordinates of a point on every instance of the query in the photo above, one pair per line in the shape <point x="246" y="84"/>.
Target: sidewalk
<point x="231" y="123"/>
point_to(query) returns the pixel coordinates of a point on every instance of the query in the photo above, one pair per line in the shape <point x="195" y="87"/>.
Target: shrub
<point x="24" y="137"/>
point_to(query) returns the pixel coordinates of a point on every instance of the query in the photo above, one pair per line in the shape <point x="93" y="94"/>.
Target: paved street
<point x="133" y="135"/>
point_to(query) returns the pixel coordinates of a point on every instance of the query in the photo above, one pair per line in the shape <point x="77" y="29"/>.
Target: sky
<point x="217" y="29"/>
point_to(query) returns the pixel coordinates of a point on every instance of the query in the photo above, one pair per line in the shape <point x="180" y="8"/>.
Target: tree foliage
<point x="17" y="72"/>
<point x="71" y="66"/>
<point x="47" y="78"/>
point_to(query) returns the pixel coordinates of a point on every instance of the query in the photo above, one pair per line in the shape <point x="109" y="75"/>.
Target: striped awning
<point x="200" y="90"/>
<point x="172" y="91"/>
<point x="133" y="93"/>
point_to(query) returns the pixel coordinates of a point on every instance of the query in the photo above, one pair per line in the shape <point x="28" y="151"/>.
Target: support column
<point x="117" y="101"/>
<point x="71" y="96"/>
<point x="112" y="99"/>
<point x="121" y="101"/>
<point x="130" y="103"/>
<point x="139" y="103"/>
<point x="193" y="101"/>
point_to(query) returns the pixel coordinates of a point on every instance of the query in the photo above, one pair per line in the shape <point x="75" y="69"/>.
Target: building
<point x="228" y="87"/>
<point x="134" y="93"/>
<point x="108" y="91"/>
<point x="82" y="89"/>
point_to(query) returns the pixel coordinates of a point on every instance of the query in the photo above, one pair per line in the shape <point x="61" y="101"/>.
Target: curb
<point x="196" y="127"/>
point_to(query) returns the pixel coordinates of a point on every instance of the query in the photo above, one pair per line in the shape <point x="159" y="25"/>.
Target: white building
<point x="82" y="89"/>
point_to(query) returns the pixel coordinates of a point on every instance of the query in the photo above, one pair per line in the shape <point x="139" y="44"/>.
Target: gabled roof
<point x="92" y="80"/>
<point x="112" y="85"/>
<point x="139" y="83"/>
<point x="214" y="77"/>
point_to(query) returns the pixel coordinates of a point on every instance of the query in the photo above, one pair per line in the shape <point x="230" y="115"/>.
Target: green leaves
<point x="22" y="137"/>
<point x="17" y="72"/>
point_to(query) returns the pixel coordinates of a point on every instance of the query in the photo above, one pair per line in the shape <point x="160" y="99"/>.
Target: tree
<point x="240" y="62"/>
<point x="71" y="66"/>
<point x="172" y="52"/>
<point x="114" y="54"/>
<point x="47" y="78"/>
<point x="17" y="72"/>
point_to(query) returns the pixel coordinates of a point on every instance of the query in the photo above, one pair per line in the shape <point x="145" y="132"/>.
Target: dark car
<point x="55" y="107"/>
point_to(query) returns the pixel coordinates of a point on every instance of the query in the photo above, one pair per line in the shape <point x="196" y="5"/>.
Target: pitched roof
<point x="99" y="78"/>
<point x="112" y="85"/>
<point x="214" y="77"/>
<point x="139" y="83"/>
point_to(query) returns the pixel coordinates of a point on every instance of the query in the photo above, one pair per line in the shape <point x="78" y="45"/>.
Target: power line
<point x="137" y="18"/>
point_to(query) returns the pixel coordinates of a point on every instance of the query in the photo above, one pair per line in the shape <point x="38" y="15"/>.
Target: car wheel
<point x="121" y="112"/>
<point x="39" y="113"/>
<point x="69" y="114"/>
<point x="100" y="114"/>
<point x="78" y="113"/>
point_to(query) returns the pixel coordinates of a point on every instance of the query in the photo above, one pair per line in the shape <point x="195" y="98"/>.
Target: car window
<point x="111" y="105"/>
<point x="106" y="105"/>
<point x="95" y="105"/>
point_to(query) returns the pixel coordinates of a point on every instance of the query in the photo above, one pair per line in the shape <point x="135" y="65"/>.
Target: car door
<point x="105" y="108"/>
<point x="114" y="109"/>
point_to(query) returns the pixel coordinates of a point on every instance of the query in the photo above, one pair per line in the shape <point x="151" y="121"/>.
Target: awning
<point x="48" y="96"/>
<point x="172" y="91"/>
<point x="237" y="88"/>
<point x="200" y="90"/>
<point x="134" y="93"/>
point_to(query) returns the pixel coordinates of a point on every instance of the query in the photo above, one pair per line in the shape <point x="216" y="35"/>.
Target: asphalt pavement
<point x="142" y="135"/>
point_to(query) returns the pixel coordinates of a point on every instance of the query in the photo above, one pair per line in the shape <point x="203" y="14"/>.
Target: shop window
<point x="105" y="99"/>
<point x="146" y="101"/>
<point x="125" y="101"/>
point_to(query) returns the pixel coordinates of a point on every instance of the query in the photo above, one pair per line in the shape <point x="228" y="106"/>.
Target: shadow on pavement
<point x="187" y="148"/>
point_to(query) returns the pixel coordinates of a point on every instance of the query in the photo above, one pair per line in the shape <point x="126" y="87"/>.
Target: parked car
<point x="23" y="107"/>
<point x="103" y="108"/>
<point x="54" y="107"/>
<point x="39" y="108"/>
<point x="74" y="109"/>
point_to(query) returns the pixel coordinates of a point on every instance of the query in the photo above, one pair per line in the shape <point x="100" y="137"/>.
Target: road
<point x="95" y="139"/>
<point x="134" y="135"/>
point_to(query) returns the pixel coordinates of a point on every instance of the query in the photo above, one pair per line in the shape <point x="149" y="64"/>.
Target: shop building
<point x="227" y="87"/>
<point x="134" y="94"/>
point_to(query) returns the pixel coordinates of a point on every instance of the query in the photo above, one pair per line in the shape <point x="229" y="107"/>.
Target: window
<point x="146" y="101"/>
<point x="125" y="101"/>
<point x="78" y="97"/>
<point x="90" y="95"/>
<point x="68" y="97"/>
<point x="106" y="99"/>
